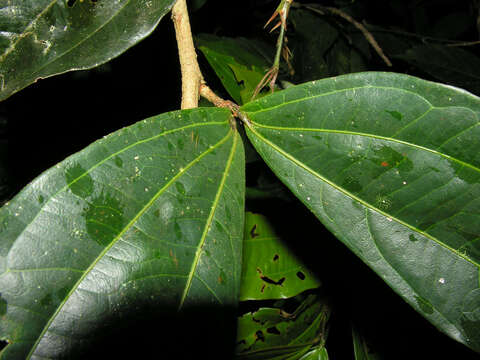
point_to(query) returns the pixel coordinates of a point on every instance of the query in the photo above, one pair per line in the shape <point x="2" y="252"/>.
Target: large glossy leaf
<point x="269" y="269"/>
<point x="271" y="333"/>
<point x="150" y="216"/>
<point x="390" y="164"/>
<point x="41" y="38"/>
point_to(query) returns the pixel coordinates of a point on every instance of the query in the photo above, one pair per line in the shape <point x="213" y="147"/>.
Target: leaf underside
<point x="390" y="164"/>
<point x="149" y="217"/>
<point x="41" y="38"/>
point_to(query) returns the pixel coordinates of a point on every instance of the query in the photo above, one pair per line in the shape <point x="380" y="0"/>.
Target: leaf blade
<point x="133" y="234"/>
<point x="49" y="37"/>
<point x="359" y="151"/>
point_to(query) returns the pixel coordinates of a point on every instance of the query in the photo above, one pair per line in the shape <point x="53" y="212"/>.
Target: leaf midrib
<point x="379" y="137"/>
<point x="315" y="96"/>
<point x="354" y="197"/>
<point x="213" y="209"/>
<point x="108" y="21"/>
<point x="87" y="172"/>
<point x="120" y="234"/>
<point x="13" y="45"/>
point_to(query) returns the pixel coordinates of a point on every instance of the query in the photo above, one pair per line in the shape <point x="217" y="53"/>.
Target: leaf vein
<point x="356" y="198"/>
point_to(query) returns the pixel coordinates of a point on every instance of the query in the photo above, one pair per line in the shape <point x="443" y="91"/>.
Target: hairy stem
<point x="191" y="75"/>
<point x="193" y="85"/>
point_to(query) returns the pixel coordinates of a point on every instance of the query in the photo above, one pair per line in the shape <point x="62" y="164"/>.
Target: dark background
<point x="56" y="117"/>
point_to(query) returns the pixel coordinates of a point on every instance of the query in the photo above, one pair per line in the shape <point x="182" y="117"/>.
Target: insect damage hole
<point x="273" y="330"/>
<point x="301" y="275"/>
<point x="254" y="234"/>
<point x="259" y="335"/>
<point x="70" y="3"/>
<point x="276" y="257"/>
<point x="272" y="282"/>
<point x="4" y="343"/>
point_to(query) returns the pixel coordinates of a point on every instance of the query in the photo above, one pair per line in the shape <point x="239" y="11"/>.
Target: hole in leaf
<point x="276" y="257"/>
<point x="273" y="330"/>
<point x="259" y="335"/>
<point x="3" y="343"/>
<point x="253" y="234"/>
<point x="70" y="3"/>
<point x="270" y="281"/>
<point x="301" y="275"/>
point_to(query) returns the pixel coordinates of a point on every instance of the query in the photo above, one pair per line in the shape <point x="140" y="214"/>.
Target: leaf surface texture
<point x="41" y="38"/>
<point x="390" y="164"/>
<point x="149" y="217"/>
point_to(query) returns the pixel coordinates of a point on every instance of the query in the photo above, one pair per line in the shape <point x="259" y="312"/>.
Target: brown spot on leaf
<point x="174" y="258"/>
<point x="286" y="315"/>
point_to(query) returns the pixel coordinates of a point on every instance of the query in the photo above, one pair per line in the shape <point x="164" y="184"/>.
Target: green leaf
<point x="195" y="5"/>
<point x="362" y="348"/>
<point x="310" y="41"/>
<point x="150" y="216"/>
<point x="239" y="63"/>
<point x="452" y="65"/>
<point x="344" y="59"/>
<point x="317" y="353"/>
<point x="390" y="164"/>
<point x="269" y="269"/>
<point x="41" y="38"/>
<point x="271" y="333"/>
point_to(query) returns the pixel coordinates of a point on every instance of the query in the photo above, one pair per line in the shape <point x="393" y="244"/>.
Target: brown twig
<point x="318" y="9"/>
<point x="193" y="85"/>
<point x="465" y="43"/>
<point x="422" y="38"/>
<point x="216" y="100"/>
<point x="191" y="74"/>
